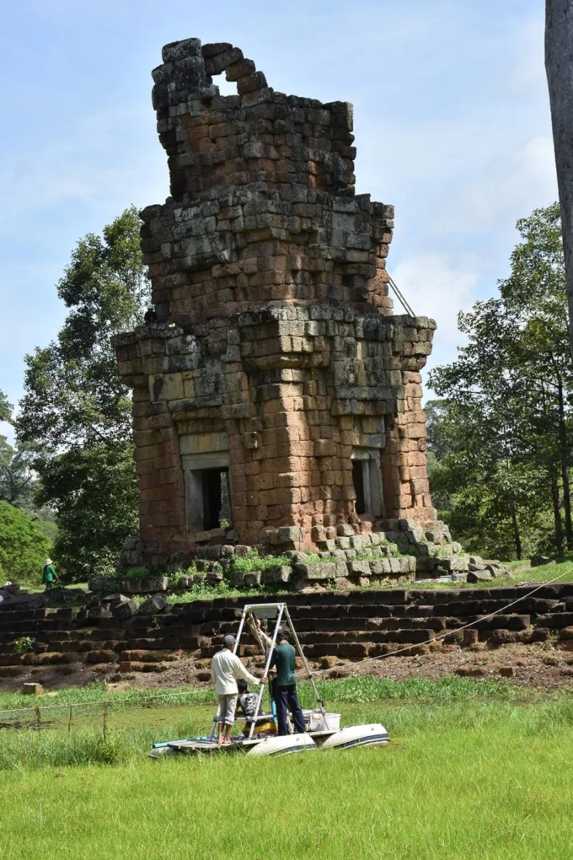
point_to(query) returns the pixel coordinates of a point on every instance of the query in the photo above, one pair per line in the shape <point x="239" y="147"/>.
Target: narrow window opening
<point x="208" y="498"/>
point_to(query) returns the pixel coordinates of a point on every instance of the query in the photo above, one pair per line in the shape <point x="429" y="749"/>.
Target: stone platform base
<point x="402" y="552"/>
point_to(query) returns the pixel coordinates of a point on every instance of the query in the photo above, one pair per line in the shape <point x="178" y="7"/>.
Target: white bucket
<point x="324" y="722"/>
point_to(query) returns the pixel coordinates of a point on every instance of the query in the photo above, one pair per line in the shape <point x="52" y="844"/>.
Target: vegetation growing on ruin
<point x="254" y="560"/>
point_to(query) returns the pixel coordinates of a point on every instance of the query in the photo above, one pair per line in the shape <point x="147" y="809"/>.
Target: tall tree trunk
<point x="556" y="512"/>
<point x="559" y="68"/>
<point x="516" y="532"/>
<point x="564" y="460"/>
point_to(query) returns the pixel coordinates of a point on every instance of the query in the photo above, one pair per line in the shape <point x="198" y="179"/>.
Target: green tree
<point x="16" y="475"/>
<point x="23" y="545"/>
<point x="5" y="408"/>
<point x="76" y="413"/>
<point x="505" y="414"/>
<point x="491" y="501"/>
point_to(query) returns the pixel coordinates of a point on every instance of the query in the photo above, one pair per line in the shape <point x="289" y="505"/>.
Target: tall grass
<point x="124" y="734"/>
<point x="352" y="689"/>
<point x="474" y="778"/>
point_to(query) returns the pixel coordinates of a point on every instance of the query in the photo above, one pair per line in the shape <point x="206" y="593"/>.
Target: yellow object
<point x="268" y="728"/>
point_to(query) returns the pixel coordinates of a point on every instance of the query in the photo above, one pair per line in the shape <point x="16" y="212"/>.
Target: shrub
<point x="136" y="572"/>
<point x="23" y="645"/>
<point x="254" y="561"/>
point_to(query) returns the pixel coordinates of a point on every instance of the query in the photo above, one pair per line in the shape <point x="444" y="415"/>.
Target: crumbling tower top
<point x="263" y="205"/>
<point x="258" y="136"/>
<point x="277" y="400"/>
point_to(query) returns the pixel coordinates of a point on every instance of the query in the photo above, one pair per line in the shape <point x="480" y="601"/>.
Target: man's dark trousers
<point x="286" y="697"/>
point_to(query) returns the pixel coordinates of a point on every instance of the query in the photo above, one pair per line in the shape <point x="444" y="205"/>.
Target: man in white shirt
<point x="226" y="668"/>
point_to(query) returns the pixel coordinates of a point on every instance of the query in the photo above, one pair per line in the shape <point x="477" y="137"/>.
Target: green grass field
<point x="475" y="769"/>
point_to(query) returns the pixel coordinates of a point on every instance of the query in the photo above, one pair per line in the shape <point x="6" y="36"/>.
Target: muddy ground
<point x="540" y="666"/>
<point x="531" y="665"/>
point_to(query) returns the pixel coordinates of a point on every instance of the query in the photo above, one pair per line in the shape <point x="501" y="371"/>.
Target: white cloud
<point x="438" y="287"/>
<point x="529" y="66"/>
<point x="515" y="182"/>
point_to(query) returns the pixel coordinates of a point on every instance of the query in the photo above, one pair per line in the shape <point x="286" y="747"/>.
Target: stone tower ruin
<point x="277" y="397"/>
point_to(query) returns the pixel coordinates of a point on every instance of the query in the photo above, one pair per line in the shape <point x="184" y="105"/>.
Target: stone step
<point x="9" y="658"/>
<point x="22" y="628"/>
<point x="101" y="655"/>
<point x="66" y="645"/>
<point x="344" y="650"/>
<point x="142" y="656"/>
<point x="48" y="658"/>
<point x="136" y="666"/>
<point x="11" y="671"/>
<point x="372" y="636"/>
<point x="555" y="620"/>
<point x="9" y="615"/>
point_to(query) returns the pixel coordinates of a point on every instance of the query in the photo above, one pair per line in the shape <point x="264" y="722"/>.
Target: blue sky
<point x="451" y="121"/>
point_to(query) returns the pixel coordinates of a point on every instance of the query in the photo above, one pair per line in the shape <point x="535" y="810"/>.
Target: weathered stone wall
<point x="275" y="350"/>
<point x="263" y="205"/>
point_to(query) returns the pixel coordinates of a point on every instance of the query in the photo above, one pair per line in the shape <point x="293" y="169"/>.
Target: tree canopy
<point x="76" y="413"/>
<point x="5" y="408"/>
<point x="501" y="431"/>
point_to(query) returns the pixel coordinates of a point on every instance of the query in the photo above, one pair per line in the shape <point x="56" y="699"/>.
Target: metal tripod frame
<point x="266" y="610"/>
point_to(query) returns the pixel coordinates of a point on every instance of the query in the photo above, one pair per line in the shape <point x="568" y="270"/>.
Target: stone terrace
<point x="108" y="637"/>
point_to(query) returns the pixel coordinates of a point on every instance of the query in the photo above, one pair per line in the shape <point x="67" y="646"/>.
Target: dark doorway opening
<point x="216" y="502"/>
<point x="211" y="488"/>
<point x="358" y="479"/>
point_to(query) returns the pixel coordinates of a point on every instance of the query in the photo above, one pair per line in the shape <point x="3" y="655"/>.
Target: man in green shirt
<point x="49" y="575"/>
<point x="284" y="686"/>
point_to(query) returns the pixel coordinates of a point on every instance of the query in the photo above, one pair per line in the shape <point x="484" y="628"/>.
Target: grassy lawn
<point x="521" y="572"/>
<point x="474" y="770"/>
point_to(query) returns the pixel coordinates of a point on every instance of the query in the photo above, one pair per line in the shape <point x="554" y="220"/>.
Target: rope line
<point x="400" y="295"/>
<point x="447" y="633"/>
<point x="169" y="699"/>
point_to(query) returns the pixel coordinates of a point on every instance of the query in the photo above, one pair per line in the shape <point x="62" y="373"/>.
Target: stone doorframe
<point x="193" y="465"/>
<point x="369" y="460"/>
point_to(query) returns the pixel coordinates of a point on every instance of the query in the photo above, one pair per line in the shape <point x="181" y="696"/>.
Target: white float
<point x="370" y="734"/>
<point x="283" y="745"/>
